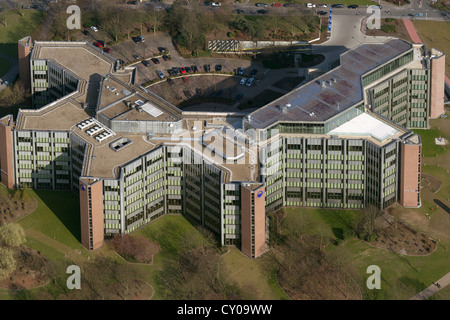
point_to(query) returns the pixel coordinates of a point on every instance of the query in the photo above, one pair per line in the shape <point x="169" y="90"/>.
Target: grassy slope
<point x="56" y="217"/>
<point x="17" y="28"/>
<point x="439" y="40"/>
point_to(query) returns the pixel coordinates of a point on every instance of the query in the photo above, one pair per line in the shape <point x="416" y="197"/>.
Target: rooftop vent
<point x="120" y="144"/>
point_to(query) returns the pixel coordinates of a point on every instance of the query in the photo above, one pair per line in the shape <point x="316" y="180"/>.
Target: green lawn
<point x="4" y="66"/>
<point x="431" y="149"/>
<point x="169" y="232"/>
<point x="427" y="31"/>
<point x="327" y="222"/>
<point x="255" y="278"/>
<point x="402" y="276"/>
<point x="17" y="28"/>
<point x="56" y="217"/>
<point x="444" y="294"/>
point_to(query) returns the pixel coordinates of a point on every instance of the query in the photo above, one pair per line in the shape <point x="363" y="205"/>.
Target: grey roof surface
<point x="316" y="102"/>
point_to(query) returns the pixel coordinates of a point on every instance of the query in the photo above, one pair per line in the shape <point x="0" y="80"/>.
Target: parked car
<point x="262" y="11"/>
<point x="253" y="73"/>
<point x="162" y="49"/>
<point x="94" y="29"/>
<point x="132" y="2"/>
<point x="141" y="38"/>
<point x="188" y="69"/>
<point x="239" y="96"/>
<point x="207" y="67"/>
<point x="239" y="11"/>
<point x="160" y="74"/>
<point x="166" y="57"/>
<point x="155" y="60"/>
<point x="276" y="4"/>
<point x="86" y="33"/>
<point x="218" y="67"/>
<point x="322" y="6"/>
<point x="261" y="5"/>
<point x="136" y="39"/>
<point x="136" y="57"/>
<point x="310" y="5"/>
<point x="176" y="70"/>
<point x="353" y="6"/>
<point x="107" y="50"/>
<point x="322" y="13"/>
<point x="243" y="81"/>
<point x="250" y="82"/>
<point x="240" y="71"/>
<point x="288" y="4"/>
<point x="337" y="5"/>
<point x="98" y="44"/>
<point x="194" y="69"/>
<point x="146" y="63"/>
<point x="216" y="4"/>
<point x="182" y="70"/>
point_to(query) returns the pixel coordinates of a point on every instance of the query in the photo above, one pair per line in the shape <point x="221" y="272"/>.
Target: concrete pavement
<point x="346" y="33"/>
<point x="433" y="289"/>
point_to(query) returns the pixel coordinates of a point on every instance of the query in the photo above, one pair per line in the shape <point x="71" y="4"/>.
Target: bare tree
<point x="367" y="227"/>
<point x="154" y="19"/>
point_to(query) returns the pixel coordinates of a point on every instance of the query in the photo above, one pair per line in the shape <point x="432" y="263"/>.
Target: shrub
<point x="348" y="234"/>
<point x="388" y="28"/>
<point x="372" y="237"/>
<point x="134" y="249"/>
<point x="7" y="262"/>
<point x="12" y="235"/>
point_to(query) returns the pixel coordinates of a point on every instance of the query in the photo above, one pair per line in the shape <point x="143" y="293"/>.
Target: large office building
<point x="339" y="141"/>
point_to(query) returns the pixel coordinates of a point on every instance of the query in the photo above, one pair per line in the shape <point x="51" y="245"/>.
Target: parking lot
<point x="207" y="90"/>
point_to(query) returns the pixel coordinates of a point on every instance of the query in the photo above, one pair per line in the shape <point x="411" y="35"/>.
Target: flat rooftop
<point x="104" y="162"/>
<point x="365" y="125"/>
<point x="62" y="116"/>
<point x="80" y="58"/>
<point x="333" y="92"/>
